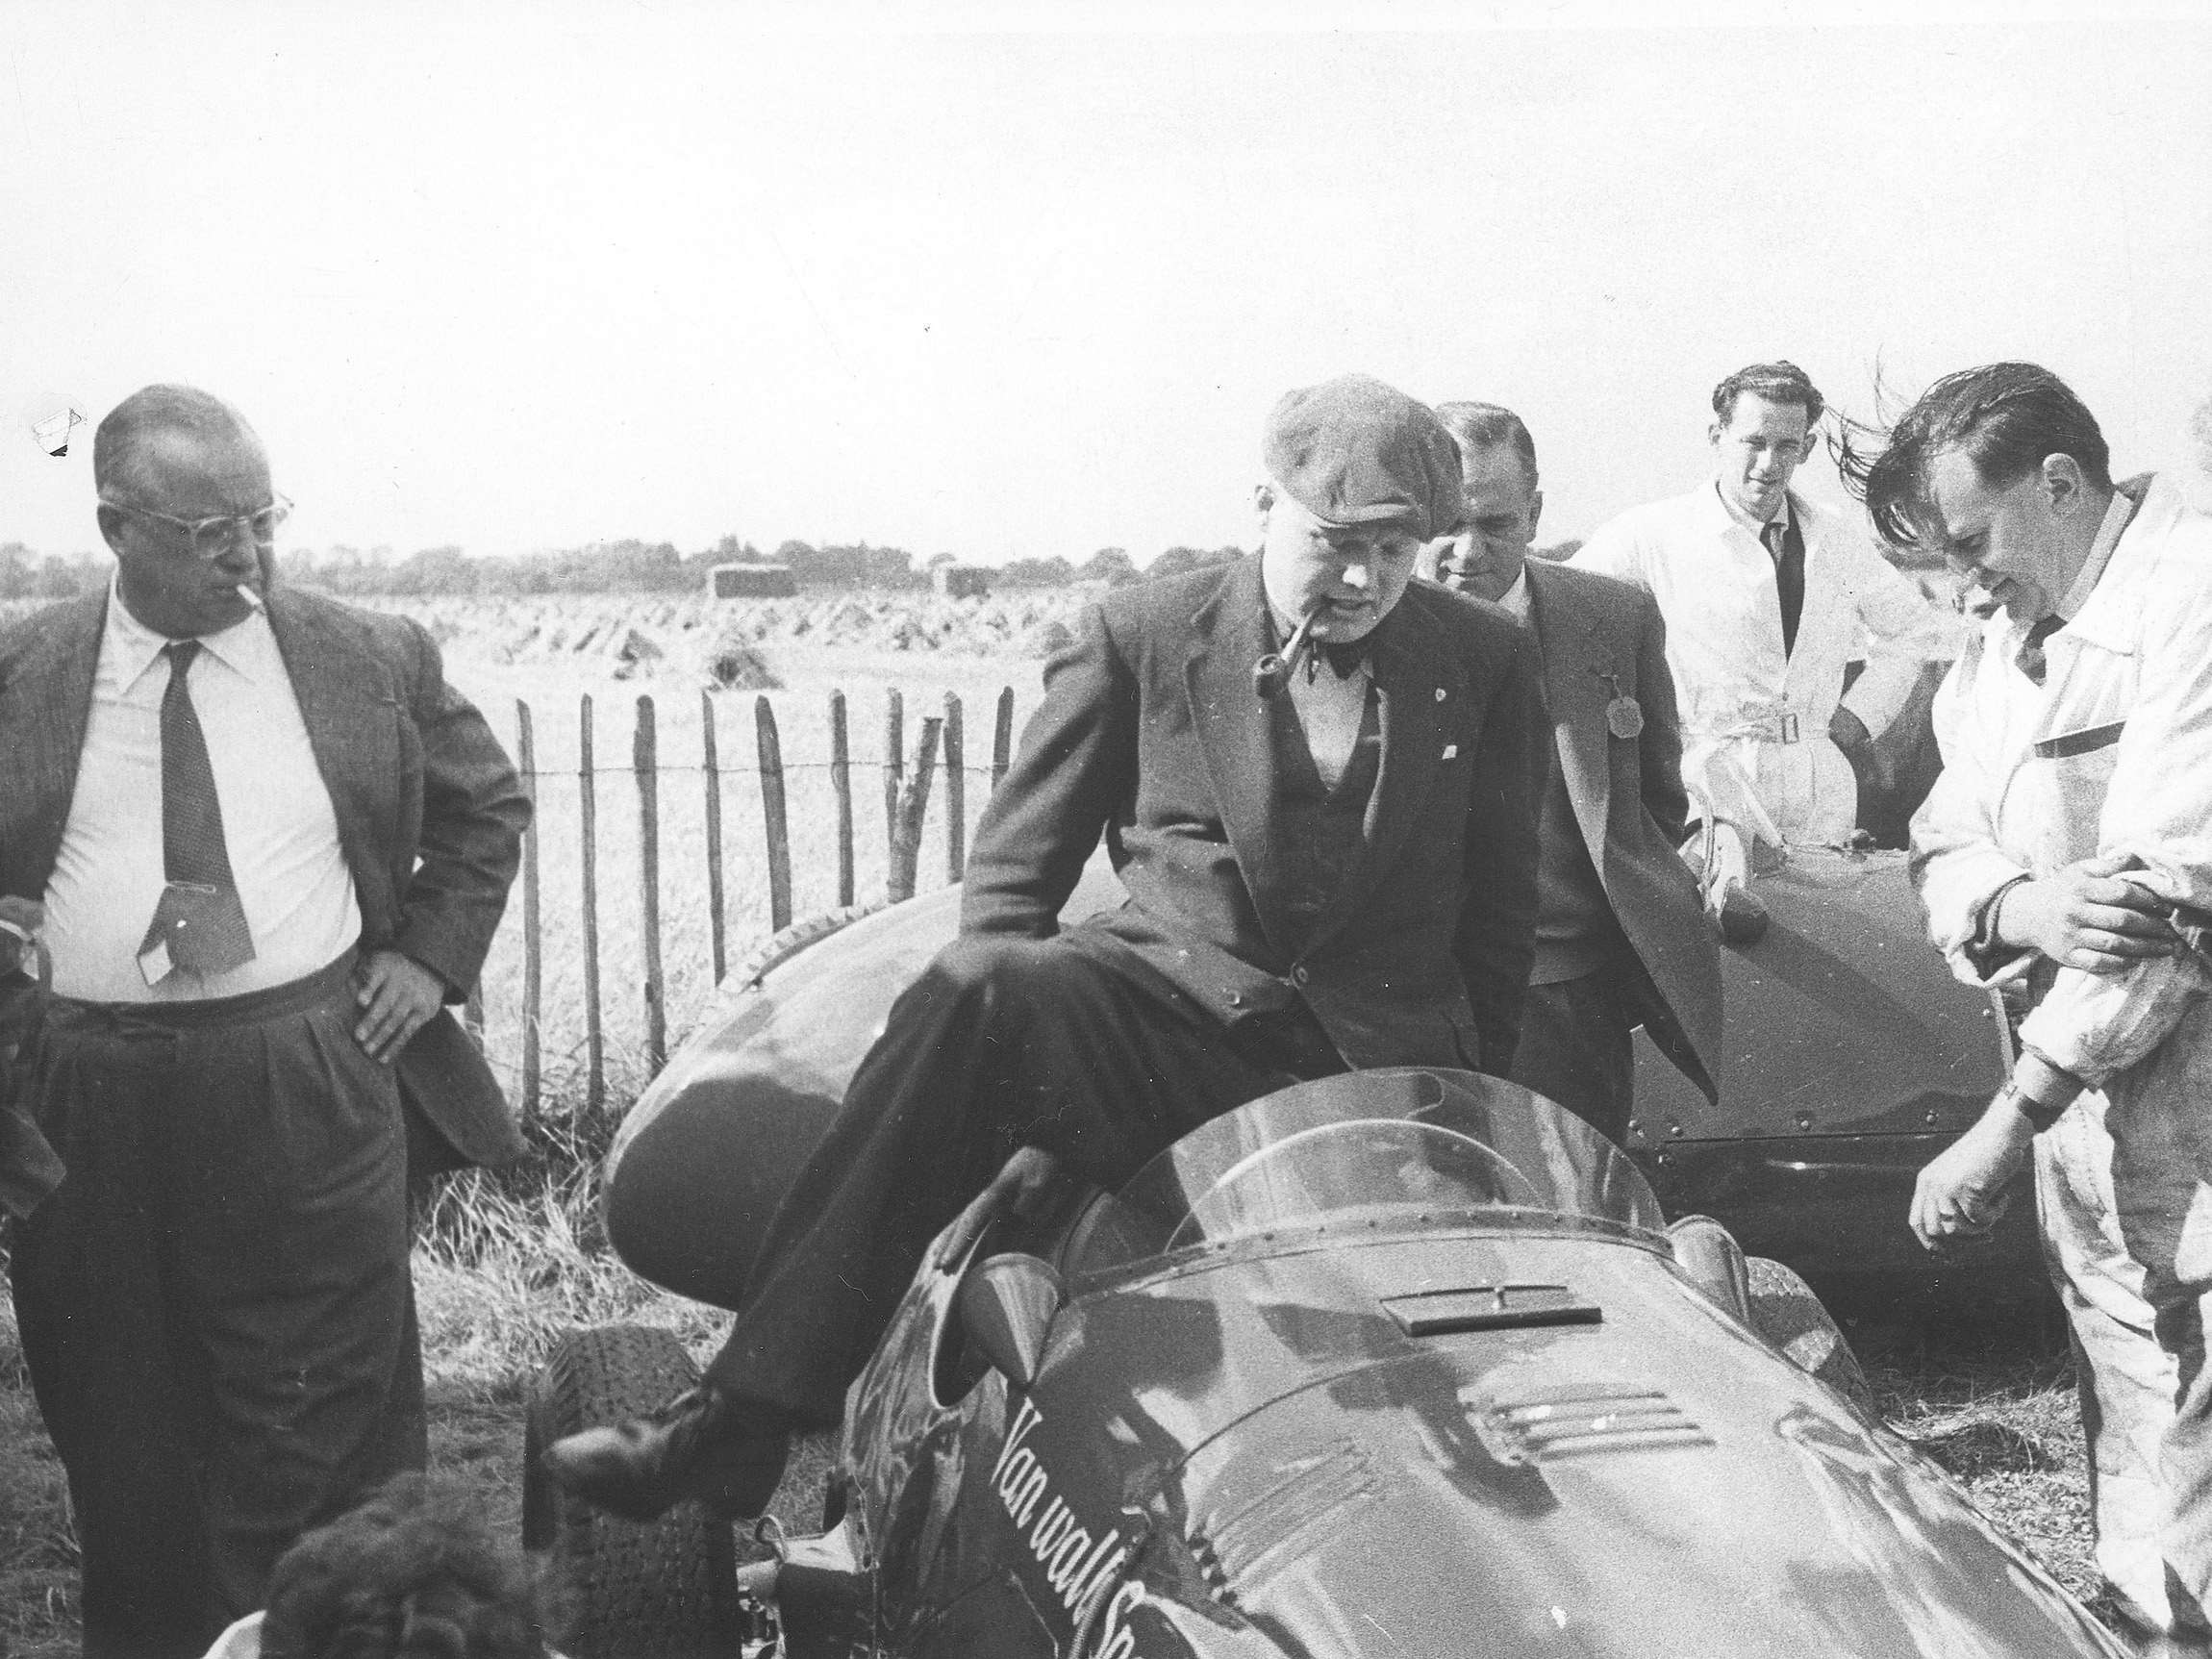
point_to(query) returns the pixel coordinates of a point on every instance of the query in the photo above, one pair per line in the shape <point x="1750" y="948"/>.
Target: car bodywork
<point x="1396" y="1364"/>
<point x="1851" y="1057"/>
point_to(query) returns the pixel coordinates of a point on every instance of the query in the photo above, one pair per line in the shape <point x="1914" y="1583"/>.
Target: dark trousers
<point x="215" y="1304"/>
<point x="1575" y="1047"/>
<point x="1073" y="1044"/>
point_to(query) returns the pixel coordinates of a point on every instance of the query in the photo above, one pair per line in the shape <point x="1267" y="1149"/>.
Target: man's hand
<point x="2085" y="916"/>
<point x="20" y="919"/>
<point x="398" y="996"/>
<point x="1849" y="734"/>
<point x="1015" y="1191"/>
<point x="1847" y="731"/>
<point x="1961" y="1195"/>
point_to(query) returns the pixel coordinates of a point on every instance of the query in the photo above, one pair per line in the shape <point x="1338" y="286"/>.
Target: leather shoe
<point x="702" y="1447"/>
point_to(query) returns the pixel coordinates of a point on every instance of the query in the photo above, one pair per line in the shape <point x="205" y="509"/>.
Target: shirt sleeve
<point x="1906" y="631"/>
<point x="1957" y="864"/>
<point x="1615" y="550"/>
<point x="2158" y="813"/>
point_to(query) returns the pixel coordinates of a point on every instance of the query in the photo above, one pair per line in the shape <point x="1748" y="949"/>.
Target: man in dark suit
<point x="1339" y="874"/>
<point x="265" y="845"/>
<point x="1620" y="936"/>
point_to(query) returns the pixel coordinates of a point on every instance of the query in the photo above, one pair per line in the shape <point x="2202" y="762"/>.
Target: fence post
<point x="955" y="790"/>
<point x="645" y="763"/>
<point x="1002" y="736"/>
<point x="588" y="821"/>
<point x="907" y="816"/>
<point x="841" y="784"/>
<point x="533" y="943"/>
<point x="893" y="771"/>
<point x="714" y="771"/>
<point x="773" y="812"/>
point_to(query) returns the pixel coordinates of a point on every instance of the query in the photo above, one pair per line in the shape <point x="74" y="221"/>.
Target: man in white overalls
<point x="2066" y="853"/>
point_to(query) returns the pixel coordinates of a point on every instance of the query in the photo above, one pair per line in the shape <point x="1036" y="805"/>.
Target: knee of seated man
<point x="1005" y="974"/>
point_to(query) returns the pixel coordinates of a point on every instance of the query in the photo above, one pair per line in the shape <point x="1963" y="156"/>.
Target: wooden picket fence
<point x="907" y="788"/>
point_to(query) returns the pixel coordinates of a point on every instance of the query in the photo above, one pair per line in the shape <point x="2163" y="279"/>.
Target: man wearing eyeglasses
<point x="263" y="845"/>
<point x="1765" y="596"/>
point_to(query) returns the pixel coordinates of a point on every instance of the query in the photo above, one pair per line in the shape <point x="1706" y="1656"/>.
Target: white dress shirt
<point x="278" y="826"/>
<point x="1330" y="709"/>
<point x="1754" y="718"/>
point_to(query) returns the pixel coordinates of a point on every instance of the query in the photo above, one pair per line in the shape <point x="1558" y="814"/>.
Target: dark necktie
<point x="2030" y="660"/>
<point x="1346" y="659"/>
<point x="1786" y="546"/>
<point x="199" y="922"/>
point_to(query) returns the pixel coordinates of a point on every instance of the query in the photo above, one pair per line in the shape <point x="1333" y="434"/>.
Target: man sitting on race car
<point x="1330" y="860"/>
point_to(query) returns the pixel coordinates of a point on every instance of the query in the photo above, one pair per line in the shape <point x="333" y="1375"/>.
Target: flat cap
<point x="1354" y="451"/>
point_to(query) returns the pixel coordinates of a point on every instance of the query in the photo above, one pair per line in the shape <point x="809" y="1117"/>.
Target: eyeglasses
<point x="212" y="537"/>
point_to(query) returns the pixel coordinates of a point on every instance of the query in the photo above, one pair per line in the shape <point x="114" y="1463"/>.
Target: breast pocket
<point x="2060" y="794"/>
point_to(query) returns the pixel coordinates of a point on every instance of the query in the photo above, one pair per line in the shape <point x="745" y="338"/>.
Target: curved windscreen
<point x="1392" y="1146"/>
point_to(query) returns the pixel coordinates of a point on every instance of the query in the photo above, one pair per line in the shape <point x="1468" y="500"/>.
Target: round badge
<point x="1625" y="717"/>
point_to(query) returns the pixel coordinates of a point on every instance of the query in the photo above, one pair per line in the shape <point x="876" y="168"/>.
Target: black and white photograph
<point x="1263" y="829"/>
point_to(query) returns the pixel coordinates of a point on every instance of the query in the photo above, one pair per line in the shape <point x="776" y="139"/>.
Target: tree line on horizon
<point x="625" y="567"/>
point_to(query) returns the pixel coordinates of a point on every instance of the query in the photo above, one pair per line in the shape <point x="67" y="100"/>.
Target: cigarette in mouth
<point x="249" y="596"/>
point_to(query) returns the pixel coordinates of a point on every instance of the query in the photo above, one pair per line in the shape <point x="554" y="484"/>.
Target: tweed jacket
<point x="1602" y="639"/>
<point x="430" y="812"/>
<point x="1151" y="733"/>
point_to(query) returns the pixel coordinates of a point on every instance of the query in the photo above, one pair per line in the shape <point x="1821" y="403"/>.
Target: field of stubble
<point x="504" y="1268"/>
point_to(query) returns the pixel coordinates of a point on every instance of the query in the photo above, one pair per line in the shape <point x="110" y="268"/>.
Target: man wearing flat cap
<point x="1336" y="873"/>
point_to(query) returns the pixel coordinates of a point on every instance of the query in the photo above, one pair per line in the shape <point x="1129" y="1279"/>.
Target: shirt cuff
<point x="1982" y="947"/>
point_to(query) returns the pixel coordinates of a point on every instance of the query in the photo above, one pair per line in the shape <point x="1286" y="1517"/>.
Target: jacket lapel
<point x="1228" y="635"/>
<point x="348" y="704"/>
<point x="44" y="706"/>
<point x="1577" y="655"/>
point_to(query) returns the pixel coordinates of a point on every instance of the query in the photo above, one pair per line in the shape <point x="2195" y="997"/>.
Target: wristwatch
<point x="2040" y="1114"/>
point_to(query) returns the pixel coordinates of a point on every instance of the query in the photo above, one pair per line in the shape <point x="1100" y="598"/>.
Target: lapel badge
<point x="1450" y="750"/>
<point x="1439" y="693"/>
<point x="1623" y="715"/>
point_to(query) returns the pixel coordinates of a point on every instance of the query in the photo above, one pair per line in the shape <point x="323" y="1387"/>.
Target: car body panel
<point x="1853" y="1055"/>
<point x="1235" y="1449"/>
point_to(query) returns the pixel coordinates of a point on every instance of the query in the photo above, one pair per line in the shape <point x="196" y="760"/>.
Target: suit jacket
<point x="1602" y="638"/>
<point x="1150" y="732"/>
<point x="430" y="812"/>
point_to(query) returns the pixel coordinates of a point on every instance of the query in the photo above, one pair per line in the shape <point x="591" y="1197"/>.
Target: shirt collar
<point x="1756" y="527"/>
<point x="2117" y="518"/>
<point x="1515" y="597"/>
<point x="246" y="648"/>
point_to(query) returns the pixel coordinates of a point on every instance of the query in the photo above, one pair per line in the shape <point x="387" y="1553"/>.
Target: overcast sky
<point x="525" y="276"/>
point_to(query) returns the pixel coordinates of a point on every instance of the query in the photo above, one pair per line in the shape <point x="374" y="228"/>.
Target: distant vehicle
<point x="1396" y="1365"/>
<point x="960" y="581"/>
<point x="752" y="579"/>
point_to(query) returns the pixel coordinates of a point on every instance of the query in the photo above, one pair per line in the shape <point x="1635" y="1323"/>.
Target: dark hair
<point x="415" y="1573"/>
<point x="2007" y="418"/>
<point x="122" y="432"/>
<point x="1781" y="382"/>
<point x="1487" y="426"/>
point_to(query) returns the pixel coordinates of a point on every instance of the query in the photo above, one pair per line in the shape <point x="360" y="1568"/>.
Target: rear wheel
<point x="663" y="1590"/>
<point x="1785" y="1312"/>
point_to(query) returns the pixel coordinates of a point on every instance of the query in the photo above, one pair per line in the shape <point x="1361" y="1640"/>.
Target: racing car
<point x="1405" y="1363"/>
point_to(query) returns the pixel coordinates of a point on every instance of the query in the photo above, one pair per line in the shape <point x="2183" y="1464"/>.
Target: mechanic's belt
<point x="1781" y="728"/>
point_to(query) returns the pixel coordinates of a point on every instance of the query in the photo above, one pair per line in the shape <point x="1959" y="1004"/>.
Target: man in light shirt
<point x="269" y="844"/>
<point x="1621" y="937"/>
<point x="1767" y="596"/>
<point x="2065" y="855"/>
